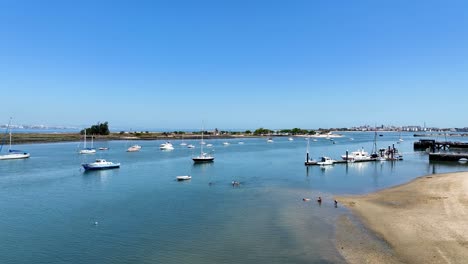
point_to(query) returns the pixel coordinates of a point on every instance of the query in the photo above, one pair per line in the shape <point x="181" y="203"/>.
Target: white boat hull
<point x="14" y="156"/>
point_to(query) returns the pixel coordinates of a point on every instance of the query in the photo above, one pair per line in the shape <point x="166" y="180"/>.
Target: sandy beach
<point x="423" y="221"/>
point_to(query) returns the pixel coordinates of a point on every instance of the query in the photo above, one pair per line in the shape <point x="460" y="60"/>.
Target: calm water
<point x="49" y="206"/>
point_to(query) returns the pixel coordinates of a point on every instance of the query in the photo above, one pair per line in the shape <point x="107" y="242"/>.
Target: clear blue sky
<point x="234" y="64"/>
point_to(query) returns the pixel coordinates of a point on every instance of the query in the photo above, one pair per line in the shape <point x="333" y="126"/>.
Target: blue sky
<point x="234" y="64"/>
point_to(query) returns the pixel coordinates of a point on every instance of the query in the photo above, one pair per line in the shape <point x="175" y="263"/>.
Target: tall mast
<point x="201" y="143"/>
<point x="10" y="141"/>
<point x="84" y="138"/>
<point x="6" y="132"/>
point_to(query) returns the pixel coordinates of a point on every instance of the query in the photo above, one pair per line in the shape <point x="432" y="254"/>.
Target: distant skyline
<point x="234" y="64"/>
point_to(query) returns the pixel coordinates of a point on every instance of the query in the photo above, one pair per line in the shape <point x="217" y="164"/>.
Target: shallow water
<point x="53" y="212"/>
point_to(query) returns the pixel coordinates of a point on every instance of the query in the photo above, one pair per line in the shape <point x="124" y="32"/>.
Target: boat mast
<point x="307" y="152"/>
<point x="201" y="143"/>
<point x="10" y="141"/>
<point x="4" y="137"/>
<point x="84" y="138"/>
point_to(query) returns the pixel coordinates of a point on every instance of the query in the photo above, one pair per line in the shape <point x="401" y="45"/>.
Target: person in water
<point x="319" y="200"/>
<point x="336" y="203"/>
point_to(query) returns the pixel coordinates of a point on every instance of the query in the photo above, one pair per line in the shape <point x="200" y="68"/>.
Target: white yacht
<point x="100" y="164"/>
<point x="324" y="161"/>
<point x="270" y="140"/>
<point x="226" y="143"/>
<point x="166" y="146"/>
<point x="290" y="139"/>
<point x="358" y="155"/>
<point x="134" y="148"/>
<point x="190" y="146"/>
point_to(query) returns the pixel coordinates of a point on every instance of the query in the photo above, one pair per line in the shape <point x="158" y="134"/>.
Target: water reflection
<point x="98" y="176"/>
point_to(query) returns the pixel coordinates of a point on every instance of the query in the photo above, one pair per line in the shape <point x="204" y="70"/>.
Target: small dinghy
<point x="184" y="178"/>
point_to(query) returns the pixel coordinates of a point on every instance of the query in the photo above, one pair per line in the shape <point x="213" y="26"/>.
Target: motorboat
<point x="190" y="146"/>
<point x="290" y="139"/>
<point x="358" y="155"/>
<point x="324" y="161"/>
<point x="183" y="144"/>
<point x="134" y="148"/>
<point x="103" y="148"/>
<point x="225" y="143"/>
<point x="166" y="146"/>
<point x="269" y="140"/>
<point x="209" y="145"/>
<point x="184" y="177"/>
<point x="100" y="164"/>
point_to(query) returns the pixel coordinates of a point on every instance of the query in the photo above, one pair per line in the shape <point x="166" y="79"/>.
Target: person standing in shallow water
<point x="336" y="203"/>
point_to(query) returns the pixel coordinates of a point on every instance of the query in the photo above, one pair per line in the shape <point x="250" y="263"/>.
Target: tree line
<point x="98" y="129"/>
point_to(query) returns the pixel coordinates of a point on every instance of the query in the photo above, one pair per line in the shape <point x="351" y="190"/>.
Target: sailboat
<point x="12" y="154"/>
<point x="400" y="139"/>
<point x="309" y="161"/>
<point x="183" y="142"/>
<point x="86" y="150"/>
<point x="203" y="157"/>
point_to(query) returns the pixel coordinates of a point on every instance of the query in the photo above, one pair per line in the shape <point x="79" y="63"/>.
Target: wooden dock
<point x="447" y="156"/>
<point x="424" y="144"/>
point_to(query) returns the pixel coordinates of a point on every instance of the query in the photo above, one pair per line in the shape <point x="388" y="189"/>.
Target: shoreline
<point x="33" y="138"/>
<point x="422" y="221"/>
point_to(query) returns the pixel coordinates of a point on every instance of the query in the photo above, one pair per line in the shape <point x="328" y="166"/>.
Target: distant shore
<point x="30" y="138"/>
<point x="423" y="221"/>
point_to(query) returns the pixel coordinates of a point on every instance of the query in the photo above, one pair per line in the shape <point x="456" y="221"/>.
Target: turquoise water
<point x="53" y="212"/>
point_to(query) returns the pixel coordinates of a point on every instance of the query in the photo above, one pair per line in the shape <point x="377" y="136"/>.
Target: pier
<point x="424" y="144"/>
<point x="447" y="156"/>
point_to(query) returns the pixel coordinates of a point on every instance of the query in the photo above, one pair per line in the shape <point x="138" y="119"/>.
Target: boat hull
<point x="15" y="156"/>
<point x="202" y="160"/>
<point x="106" y="167"/>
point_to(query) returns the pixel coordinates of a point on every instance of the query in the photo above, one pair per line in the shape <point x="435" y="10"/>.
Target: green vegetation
<point x="99" y="129"/>
<point x="262" y="131"/>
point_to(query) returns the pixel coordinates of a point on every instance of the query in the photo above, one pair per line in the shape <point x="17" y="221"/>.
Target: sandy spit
<point x="423" y="221"/>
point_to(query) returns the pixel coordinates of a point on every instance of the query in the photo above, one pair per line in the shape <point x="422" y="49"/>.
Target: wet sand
<point x="423" y="221"/>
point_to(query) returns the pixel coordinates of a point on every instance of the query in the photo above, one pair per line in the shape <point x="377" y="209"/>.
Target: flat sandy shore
<point x="423" y="221"/>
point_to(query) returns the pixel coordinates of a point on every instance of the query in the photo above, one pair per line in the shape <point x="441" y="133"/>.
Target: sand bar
<point x="423" y="221"/>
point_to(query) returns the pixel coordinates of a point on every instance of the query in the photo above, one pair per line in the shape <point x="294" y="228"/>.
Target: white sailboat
<point x="400" y="139"/>
<point x="309" y="161"/>
<point x="203" y="157"/>
<point x="86" y="150"/>
<point x="12" y="154"/>
<point x="183" y="142"/>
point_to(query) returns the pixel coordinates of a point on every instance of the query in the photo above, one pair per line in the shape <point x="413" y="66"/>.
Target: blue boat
<point x="100" y="164"/>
